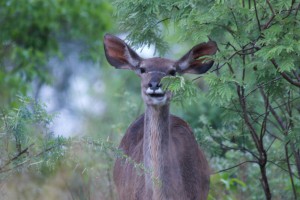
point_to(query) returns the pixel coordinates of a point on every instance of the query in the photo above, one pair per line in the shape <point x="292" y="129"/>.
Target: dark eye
<point x="172" y="72"/>
<point x="142" y="70"/>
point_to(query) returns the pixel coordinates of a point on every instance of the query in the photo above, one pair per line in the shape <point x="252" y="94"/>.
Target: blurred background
<point x="64" y="110"/>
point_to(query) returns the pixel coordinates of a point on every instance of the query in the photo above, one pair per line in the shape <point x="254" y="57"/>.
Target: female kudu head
<point x="152" y="70"/>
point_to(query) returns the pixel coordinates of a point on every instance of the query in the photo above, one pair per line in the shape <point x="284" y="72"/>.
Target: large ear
<point x="119" y="54"/>
<point x="192" y="61"/>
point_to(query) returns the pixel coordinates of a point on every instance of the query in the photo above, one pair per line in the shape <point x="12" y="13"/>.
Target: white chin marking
<point x="149" y="91"/>
<point x="158" y="91"/>
<point x="156" y="100"/>
<point x="159" y="101"/>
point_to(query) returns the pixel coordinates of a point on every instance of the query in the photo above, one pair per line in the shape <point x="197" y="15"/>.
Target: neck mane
<point x="159" y="163"/>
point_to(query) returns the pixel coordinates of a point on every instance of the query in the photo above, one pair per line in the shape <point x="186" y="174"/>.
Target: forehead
<point x="160" y="64"/>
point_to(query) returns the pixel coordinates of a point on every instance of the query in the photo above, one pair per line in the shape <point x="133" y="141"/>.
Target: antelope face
<point x="152" y="70"/>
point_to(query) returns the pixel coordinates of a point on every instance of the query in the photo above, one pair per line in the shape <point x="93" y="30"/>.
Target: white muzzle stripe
<point x="158" y="91"/>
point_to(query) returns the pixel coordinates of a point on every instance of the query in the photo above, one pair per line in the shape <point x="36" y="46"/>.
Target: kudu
<point x="163" y="143"/>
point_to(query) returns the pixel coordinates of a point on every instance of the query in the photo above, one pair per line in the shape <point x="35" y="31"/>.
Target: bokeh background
<point x="64" y="109"/>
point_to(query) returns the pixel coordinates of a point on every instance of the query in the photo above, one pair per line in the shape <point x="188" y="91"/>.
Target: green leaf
<point x="182" y="89"/>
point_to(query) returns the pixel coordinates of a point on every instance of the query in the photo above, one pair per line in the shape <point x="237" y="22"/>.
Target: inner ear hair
<point x="196" y="61"/>
<point x="119" y="54"/>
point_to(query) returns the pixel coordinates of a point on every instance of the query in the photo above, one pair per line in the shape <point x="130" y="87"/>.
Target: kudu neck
<point x="156" y="147"/>
<point x="156" y="113"/>
<point x="157" y="123"/>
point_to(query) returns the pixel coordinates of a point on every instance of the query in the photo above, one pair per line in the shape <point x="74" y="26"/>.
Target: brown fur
<point x="173" y="166"/>
<point x="130" y="182"/>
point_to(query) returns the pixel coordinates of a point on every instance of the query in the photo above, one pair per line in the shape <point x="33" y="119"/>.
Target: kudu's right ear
<point x="119" y="54"/>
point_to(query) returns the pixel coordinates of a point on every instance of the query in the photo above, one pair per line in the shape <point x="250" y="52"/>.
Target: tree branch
<point x="16" y="157"/>
<point x="224" y="170"/>
<point x="284" y="75"/>
<point x="274" y="163"/>
<point x="290" y="170"/>
<point x="256" y="15"/>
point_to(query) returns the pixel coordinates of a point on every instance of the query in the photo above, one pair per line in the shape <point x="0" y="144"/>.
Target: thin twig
<point x="262" y="85"/>
<point x="274" y="163"/>
<point x="298" y="7"/>
<point x="270" y="6"/>
<point x="284" y="75"/>
<point x="267" y="25"/>
<point x="256" y="15"/>
<point x="290" y="10"/>
<point x="26" y="161"/>
<point x="296" y="98"/>
<point x="16" y="157"/>
<point x="296" y="75"/>
<point x="264" y="123"/>
<point x="290" y="170"/>
<point x="271" y="144"/>
<point x="223" y="170"/>
<point x="160" y="21"/>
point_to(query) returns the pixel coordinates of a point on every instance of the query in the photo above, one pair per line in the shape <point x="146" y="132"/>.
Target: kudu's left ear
<point x="192" y="61"/>
<point x="119" y="54"/>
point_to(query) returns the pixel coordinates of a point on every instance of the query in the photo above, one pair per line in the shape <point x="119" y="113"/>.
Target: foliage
<point x="26" y="139"/>
<point x="29" y="149"/>
<point x="232" y="186"/>
<point x="180" y="87"/>
<point x="32" y="32"/>
<point x="81" y="165"/>
<point x="246" y="117"/>
<point x="34" y="163"/>
<point x="255" y="84"/>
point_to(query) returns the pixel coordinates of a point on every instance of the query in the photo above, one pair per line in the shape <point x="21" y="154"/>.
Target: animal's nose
<point x="154" y="85"/>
